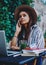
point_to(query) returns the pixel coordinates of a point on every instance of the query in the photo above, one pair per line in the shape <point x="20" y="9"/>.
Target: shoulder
<point x="37" y="29"/>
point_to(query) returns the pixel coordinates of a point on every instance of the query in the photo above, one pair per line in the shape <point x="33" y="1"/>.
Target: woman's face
<point x="23" y="17"/>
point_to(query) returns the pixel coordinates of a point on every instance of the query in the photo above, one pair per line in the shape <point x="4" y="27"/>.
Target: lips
<point x="22" y="20"/>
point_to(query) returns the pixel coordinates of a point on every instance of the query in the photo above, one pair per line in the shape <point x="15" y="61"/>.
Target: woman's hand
<point x="15" y="48"/>
<point x="13" y="45"/>
<point x="18" y="28"/>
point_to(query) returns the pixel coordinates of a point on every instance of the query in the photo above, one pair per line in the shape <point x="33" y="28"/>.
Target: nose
<point x="22" y="17"/>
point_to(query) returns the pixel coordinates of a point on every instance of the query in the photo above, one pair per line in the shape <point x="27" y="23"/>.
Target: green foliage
<point x="27" y="1"/>
<point x="39" y="18"/>
<point x="7" y="21"/>
<point x="45" y="35"/>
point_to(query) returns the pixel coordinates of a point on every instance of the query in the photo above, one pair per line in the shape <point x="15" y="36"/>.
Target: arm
<point x="37" y="40"/>
<point x="13" y="43"/>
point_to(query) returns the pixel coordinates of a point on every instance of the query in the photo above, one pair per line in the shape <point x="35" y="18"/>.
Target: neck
<point x="25" y="26"/>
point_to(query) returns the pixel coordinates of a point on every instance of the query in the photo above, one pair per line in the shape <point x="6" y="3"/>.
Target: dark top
<point x="21" y="35"/>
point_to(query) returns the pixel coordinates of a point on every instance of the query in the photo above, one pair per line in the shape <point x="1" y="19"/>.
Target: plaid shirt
<point x="36" y="38"/>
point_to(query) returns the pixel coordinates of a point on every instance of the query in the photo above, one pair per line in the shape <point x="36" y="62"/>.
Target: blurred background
<point x="8" y="22"/>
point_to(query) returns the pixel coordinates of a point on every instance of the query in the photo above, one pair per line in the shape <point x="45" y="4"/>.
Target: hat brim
<point x="25" y="8"/>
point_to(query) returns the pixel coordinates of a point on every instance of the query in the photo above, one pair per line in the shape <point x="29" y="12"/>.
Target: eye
<point x="19" y="16"/>
<point x="24" y="15"/>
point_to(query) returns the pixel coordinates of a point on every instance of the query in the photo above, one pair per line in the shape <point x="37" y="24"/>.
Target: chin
<point x="23" y="23"/>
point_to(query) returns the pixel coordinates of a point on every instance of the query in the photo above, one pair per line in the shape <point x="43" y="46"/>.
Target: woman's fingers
<point x="19" y="23"/>
<point x="15" y="48"/>
<point x="18" y="27"/>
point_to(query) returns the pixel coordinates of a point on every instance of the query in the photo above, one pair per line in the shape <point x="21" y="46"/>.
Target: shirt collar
<point x="34" y="26"/>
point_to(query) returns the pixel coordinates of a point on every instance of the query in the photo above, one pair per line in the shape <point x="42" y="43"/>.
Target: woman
<point x="27" y="29"/>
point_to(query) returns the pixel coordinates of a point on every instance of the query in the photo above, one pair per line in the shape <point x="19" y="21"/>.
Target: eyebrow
<point x="23" y="14"/>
